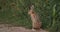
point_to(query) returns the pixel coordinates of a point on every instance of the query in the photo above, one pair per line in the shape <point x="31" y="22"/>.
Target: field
<point x="15" y="12"/>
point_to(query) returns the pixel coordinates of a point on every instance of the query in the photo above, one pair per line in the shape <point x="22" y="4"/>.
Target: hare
<point x="36" y="23"/>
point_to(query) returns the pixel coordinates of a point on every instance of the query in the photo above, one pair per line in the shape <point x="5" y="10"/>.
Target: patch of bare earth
<point x="7" y="28"/>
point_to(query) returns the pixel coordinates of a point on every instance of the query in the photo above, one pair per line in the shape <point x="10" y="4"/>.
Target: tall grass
<point x="54" y="15"/>
<point x="15" y="12"/>
<point x="53" y="26"/>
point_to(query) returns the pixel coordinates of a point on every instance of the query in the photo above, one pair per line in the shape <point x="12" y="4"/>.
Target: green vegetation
<point x="15" y="12"/>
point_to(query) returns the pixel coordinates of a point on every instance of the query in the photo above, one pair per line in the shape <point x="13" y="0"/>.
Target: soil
<point x="9" y="28"/>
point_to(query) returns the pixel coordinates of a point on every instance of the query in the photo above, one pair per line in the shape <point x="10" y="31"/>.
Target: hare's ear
<point x="31" y="7"/>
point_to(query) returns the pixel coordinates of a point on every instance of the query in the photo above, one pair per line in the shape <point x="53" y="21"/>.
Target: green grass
<point x="15" y="12"/>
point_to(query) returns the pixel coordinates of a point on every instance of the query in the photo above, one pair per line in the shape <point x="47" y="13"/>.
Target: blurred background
<point x="15" y="12"/>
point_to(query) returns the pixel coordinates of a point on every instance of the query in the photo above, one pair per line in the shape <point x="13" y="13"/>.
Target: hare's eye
<point x="32" y="12"/>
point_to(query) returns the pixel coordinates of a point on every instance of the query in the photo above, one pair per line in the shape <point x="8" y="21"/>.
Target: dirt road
<point x="6" y="28"/>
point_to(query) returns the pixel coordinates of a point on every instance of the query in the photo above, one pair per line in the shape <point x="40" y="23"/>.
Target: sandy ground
<point x="7" y="28"/>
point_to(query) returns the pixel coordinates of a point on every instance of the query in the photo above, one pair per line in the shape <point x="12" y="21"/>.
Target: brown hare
<point x="36" y="23"/>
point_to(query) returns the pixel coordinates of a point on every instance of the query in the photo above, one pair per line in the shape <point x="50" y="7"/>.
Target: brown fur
<point x="36" y="24"/>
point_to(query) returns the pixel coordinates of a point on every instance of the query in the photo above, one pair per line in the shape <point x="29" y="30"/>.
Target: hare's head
<point x="31" y="9"/>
